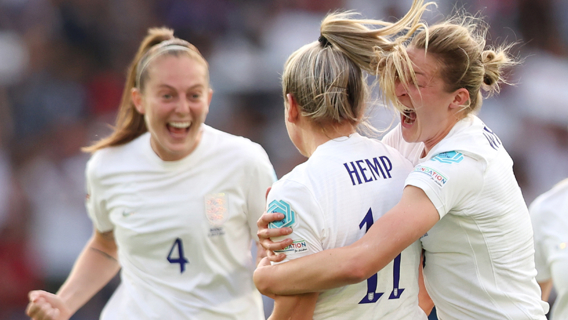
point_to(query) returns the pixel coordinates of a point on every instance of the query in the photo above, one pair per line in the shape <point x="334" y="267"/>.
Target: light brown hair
<point x="130" y="123"/>
<point x="464" y="60"/>
<point x="327" y="77"/>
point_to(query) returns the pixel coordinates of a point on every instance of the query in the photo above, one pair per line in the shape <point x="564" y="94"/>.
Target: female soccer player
<point x="174" y="202"/>
<point x="462" y="198"/>
<point x="325" y="94"/>
<point x="549" y="213"/>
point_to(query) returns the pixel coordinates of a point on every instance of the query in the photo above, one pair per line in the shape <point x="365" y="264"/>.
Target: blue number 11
<point x="372" y="296"/>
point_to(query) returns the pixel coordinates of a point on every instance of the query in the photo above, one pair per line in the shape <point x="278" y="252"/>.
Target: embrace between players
<point x="357" y="215"/>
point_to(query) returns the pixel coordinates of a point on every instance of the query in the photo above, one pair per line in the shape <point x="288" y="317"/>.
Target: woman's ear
<point x="461" y="98"/>
<point x="292" y="109"/>
<point x="209" y="96"/>
<point x="136" y="97"/>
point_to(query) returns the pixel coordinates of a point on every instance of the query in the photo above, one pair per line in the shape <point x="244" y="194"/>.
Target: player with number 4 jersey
<point x="174" y="202"/>
<point x="184" y="238"/>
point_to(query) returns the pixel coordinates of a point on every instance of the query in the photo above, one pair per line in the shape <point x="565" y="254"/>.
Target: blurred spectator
<point x="53" y="181"/>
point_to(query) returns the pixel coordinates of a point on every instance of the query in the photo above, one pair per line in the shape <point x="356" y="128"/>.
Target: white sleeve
<point x="542" y="267"/>
<point x="449" y="180"/>
<point x="558" y="268"/>
<point x="95" y="202"/>
<point x="261" y="177"/>
<point x="553" y="249"/>
<point x="303" y="215"/>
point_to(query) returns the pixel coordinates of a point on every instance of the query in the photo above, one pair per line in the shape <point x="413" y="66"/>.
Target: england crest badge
<point x="216" y="208"/>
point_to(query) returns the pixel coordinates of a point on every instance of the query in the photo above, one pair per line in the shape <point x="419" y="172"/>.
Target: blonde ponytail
<point x="327" y="78"/>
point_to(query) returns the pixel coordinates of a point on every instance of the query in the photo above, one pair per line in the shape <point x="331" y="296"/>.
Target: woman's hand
<point x="262" y="264"/>
<point x="46" y="306"/>
<point x="264" y="234"/>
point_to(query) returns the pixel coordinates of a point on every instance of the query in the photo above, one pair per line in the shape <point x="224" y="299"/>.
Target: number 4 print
<point x="372" y="296"/>
<point x="180" y="256"/>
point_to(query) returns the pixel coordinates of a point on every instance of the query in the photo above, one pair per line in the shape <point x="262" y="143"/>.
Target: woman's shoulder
<point x="230" y="142"/>
<point x="224" y="146"/>
<point x="473" y="138"/>
<point x="115" y="158"/>
<point x="547" y="204"/>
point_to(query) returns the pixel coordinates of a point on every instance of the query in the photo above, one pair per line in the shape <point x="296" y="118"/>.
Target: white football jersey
<point x="480" y="255"/>
<point x="183" y="228"/>
<point x="549" y="213"/>
<point x="330" y="201"/>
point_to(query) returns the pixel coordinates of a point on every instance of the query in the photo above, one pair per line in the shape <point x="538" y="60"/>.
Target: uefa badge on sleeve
<point x="283" y="207"/>
<point x="216" y="208"/>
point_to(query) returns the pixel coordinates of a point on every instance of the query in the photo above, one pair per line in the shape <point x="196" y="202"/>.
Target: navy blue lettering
<point x="351" y="172"/>
<point x="388" y="168"/>
<point x="376" y="167"/>
<point x="492" y="138"/>
<point x="363" y="170"/>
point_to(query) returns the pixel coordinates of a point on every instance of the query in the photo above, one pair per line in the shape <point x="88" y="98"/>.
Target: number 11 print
<point x="373" y="296"/>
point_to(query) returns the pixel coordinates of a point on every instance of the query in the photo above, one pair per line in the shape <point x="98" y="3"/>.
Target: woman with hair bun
<point x="461" y="199"/>
<point x="326" y="95"/>
<point x="173" y="201"/>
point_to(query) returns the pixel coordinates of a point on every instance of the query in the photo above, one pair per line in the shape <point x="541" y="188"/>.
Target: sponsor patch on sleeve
<point x="283" y="207"/>
<point x="449" y="157"/>
<point x="296" y="247"/>
<point x="436" y="176"/>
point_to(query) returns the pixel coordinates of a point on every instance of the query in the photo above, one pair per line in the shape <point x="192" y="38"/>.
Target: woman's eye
<point x="167" y="96"/>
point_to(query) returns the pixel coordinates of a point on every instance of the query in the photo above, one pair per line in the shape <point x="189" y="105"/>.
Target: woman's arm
<point x="298" y="307"/>
<point x="545" y="288"/>
<point x="424" y="300"/>
<point x="411" y="218"/>
<point x="558" y="269"/>
<point x="95" y="267"/>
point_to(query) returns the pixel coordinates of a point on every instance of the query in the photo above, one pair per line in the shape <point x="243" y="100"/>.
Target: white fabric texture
<point x="346" y="185"/>
<point x="183" y="228"/>
<point x="480" y="255"/>
<point x="549" y="213"/>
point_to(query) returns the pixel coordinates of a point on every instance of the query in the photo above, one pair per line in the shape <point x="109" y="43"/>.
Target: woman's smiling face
<point x="431" y="111"/>
<point x="175" y="102"/>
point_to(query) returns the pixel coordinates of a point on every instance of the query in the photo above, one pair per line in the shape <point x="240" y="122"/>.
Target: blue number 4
<point x="373" y="296"/>
<point x="181" y="258"/>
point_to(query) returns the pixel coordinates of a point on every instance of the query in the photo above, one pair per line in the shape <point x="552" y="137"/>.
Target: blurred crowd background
<point x="63" y="64"/>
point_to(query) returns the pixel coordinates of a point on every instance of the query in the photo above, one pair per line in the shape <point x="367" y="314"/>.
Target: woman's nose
<point x="182" y="106"/>
<point x="399" y="88"/>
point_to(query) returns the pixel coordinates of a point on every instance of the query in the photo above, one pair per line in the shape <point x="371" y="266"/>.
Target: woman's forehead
<point x="424" y="63"/>
<point x="177" y="68"/>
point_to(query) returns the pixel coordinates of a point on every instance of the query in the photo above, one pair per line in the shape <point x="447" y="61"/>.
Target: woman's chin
<point x="409" y="135"/>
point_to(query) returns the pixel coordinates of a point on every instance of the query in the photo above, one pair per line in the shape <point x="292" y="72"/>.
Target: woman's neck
<point x="314" y="136"/>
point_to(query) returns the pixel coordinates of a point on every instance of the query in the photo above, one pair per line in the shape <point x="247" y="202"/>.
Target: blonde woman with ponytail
<point x="325" y="98"/>
<point x="173" y="201"/>
<point x="461" y="199"/>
